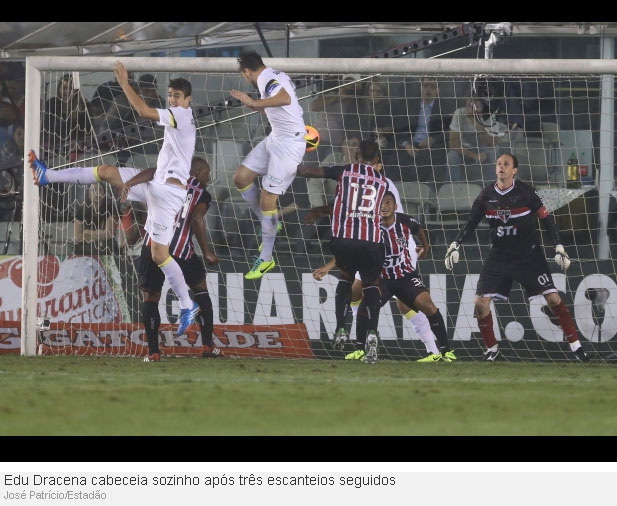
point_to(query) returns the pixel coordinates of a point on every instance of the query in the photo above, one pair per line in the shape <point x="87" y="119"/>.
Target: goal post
<point x="226" y="132"/>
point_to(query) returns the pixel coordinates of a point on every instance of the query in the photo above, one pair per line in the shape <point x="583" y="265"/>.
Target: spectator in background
<point x="95" y="224"/>
<point x="472" y="150"/>
<point x="13" y="93"/>
<point x="148" y="90"/>
<point x="385" y="115"/>
<point x="102" y="99"/>
<point x="8" y="118"/>
<point x="133" y="216"/>
<point x="65" y="122"/>
<point x="111" y="112"/>
<point x="425" y="150"/>
<point x="332" y="114"/>
<point x="14" y="146"/>
<point x="13" y="151"/>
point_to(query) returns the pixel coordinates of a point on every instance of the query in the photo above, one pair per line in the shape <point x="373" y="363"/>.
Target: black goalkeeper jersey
<point x="511" y="215"/>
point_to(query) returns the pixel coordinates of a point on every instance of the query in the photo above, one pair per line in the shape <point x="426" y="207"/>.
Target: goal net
<point x="440" y="124"/>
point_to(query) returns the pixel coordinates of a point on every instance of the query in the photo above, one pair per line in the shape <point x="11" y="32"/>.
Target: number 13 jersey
<point x="359" y="192"/>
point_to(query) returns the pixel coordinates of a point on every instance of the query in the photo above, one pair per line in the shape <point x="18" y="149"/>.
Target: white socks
<point x="252" y="196"/>
<point x="422" y="327"/>
<point x="269" y="222"/>
<point x="174" y="275"/>
<point x="79" y="175"/>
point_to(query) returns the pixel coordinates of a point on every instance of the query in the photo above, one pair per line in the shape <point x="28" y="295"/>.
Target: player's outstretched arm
<point x="315" y="213"/>
<point x="198" y="225"/>
<point x="142" y="177"/>
<point x="280" y="99"/>
<point x="135" y="100"/>
<point x="318" y="274"/>
<point x="304" y="171"/>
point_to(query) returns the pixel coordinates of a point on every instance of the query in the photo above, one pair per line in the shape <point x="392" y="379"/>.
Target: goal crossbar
<point x="417" y="66"/>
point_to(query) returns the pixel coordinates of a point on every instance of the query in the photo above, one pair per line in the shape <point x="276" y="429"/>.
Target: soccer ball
<point x="311" y="138"/>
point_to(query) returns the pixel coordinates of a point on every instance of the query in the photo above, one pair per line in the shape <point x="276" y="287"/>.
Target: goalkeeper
<point x="510" y="206"/>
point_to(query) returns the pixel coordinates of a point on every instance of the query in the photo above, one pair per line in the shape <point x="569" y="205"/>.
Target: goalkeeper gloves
<point x="561" y="257"/>
<point x="452" y="255"/>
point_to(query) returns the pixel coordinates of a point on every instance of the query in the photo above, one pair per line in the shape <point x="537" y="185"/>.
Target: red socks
<point x="565" y="321"/>
<point x="486" y="329"/>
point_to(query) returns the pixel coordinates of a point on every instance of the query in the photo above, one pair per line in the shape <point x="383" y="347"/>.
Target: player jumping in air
<point x="511" y="207"/>
<point x="356" y="239"/>
<point x="151" y="278"/>
<point x="165" y="194"/>
<point x="276" y="157"/>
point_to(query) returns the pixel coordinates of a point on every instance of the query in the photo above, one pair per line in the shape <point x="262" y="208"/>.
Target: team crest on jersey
<point x="503" y="214"/>
<point x="401" y="242"/>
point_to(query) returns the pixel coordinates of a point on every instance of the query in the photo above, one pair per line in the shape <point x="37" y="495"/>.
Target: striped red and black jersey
<point x="511" y="214"/>
<point x="359" y="192"/>
<point x="398" y="240"/>
<point x="181" y="245"/>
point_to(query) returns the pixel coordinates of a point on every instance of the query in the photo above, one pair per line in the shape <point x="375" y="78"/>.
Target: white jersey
<point x="178" y="144"/>
<point x="285" y="120"/>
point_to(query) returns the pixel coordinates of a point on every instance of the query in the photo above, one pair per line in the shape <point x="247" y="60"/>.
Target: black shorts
<point x="354" y="255"/>
<point x="151" y="277"/>
<point x="530" y="270"/>
<point x="406" y="289"/>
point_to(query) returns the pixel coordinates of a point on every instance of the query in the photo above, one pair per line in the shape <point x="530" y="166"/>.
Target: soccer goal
<point x="81" y="244"/>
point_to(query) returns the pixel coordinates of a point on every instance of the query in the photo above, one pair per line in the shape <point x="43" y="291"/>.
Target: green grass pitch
<point x="70" y="395"/>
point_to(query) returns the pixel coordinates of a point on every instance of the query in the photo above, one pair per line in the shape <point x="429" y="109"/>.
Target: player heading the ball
<point x="276" y="157"/>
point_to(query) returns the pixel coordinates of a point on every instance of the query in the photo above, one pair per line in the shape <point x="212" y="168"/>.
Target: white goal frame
<point x="36" y="64"/>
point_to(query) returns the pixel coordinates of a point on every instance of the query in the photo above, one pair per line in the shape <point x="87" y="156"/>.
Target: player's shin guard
<point x="342" y="297"/>
<point x="438" y="327"/>
<point x="205" y="318"/>
<point x="269" y="222"/>
<point x="152" y="322"/>
<point x="368" y="313"/>
<point x="565" y="321"/>
<point x="174" y="275"/>
<point x="252" y="197"/>
<point x="486" y="330"/>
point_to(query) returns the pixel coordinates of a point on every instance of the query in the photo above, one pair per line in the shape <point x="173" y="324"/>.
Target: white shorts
<point x="164" y="201"/>
<point x="277" y="160"/>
